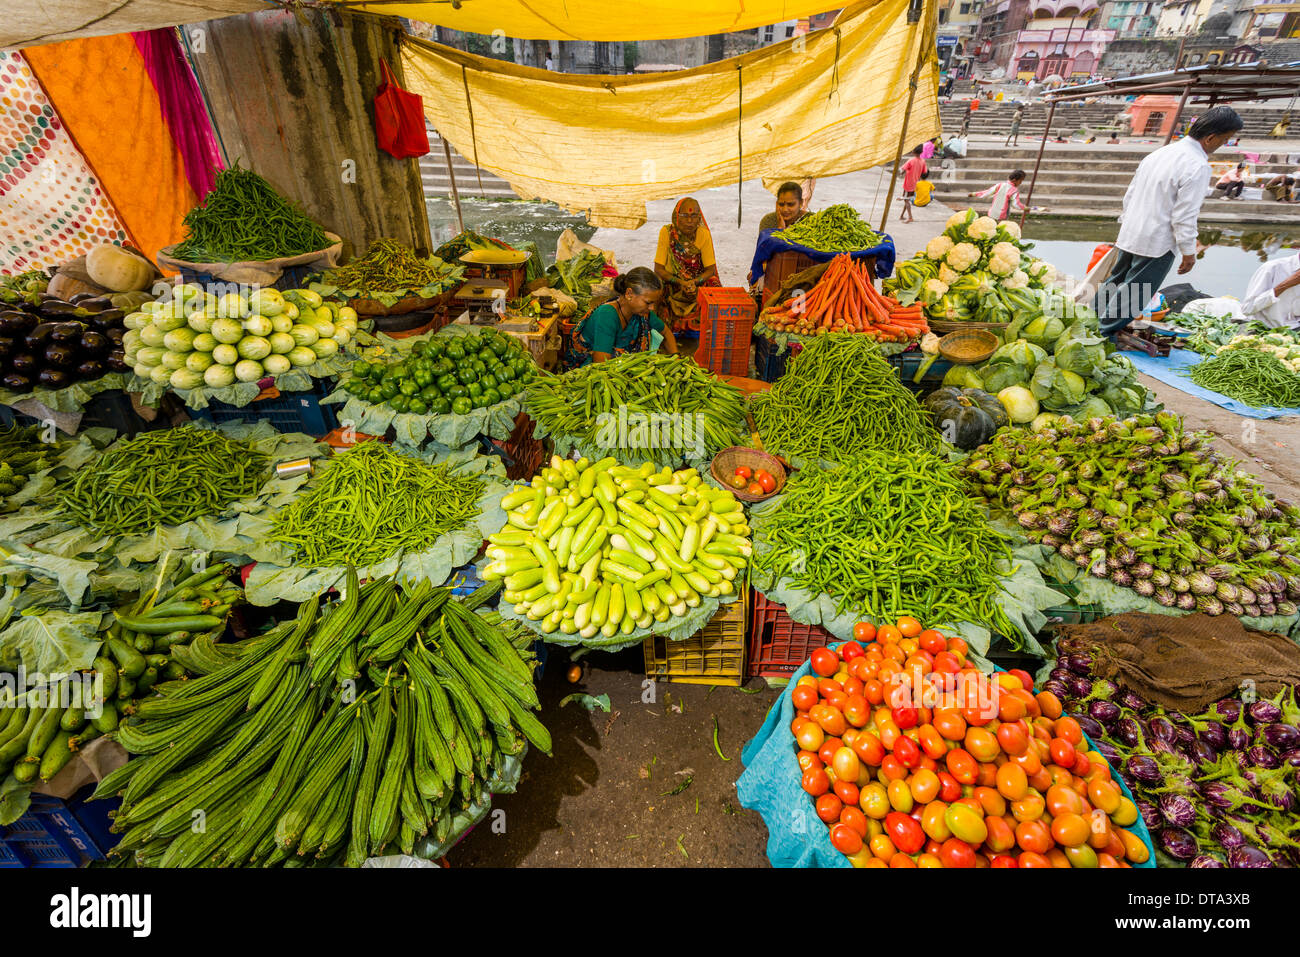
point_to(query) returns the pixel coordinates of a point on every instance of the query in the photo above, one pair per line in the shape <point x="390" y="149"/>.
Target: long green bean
<point x="163" y="478"/>
<point x="1250" y="376"/>
<point x="371" y="503"/>
<point x="886" y="536"/>
<point x="837" y="399"/>
<point x="836" y="229"/>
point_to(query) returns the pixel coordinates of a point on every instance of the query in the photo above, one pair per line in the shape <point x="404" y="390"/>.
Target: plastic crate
<point x="523" y="454"/>
<point x="287" y="411"/>
<point x="769" y="365"/>
<point x="466" y="580"/>
<point x="726" y="325"/>
<point x="715" y="656"/>
<point x="293" y="277"/>
<point x="778" y="644"/>
<point x="57" y="833"/>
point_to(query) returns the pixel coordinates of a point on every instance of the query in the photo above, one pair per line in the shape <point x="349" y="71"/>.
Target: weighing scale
<point x="502" y="265"/>
<point x="478" y="297"/>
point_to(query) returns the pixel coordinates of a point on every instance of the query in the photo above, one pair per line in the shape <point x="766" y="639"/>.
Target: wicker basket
<point x="968" y="346"/>
<point x="943" y="328"/>
<point x="373" y="307"/>
<point x="726" y="462"/>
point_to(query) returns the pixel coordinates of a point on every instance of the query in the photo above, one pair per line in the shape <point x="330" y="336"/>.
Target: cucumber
<point x="142" y="643"/>
<point x="73" y="719"/>
<point x="107" y="672"/>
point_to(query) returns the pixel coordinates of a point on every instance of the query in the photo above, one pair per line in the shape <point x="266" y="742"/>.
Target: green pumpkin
<point x="966" y="417"/>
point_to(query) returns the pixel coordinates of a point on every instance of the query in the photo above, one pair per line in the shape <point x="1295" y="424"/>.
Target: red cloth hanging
<point x="399" y="119"/>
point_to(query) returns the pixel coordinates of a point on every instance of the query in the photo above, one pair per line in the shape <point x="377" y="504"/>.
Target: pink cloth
<point x="927" y="150"/>
<point x="182" y="106"/>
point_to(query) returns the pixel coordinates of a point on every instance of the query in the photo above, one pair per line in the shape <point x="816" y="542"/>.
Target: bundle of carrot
<point x="845" y="300"/>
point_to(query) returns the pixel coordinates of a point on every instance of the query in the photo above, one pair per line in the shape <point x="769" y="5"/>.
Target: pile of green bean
<point x="836" y="229"/>
<point x="244" y="219"/>
<point x="371" y="503"/>
<point x="584" y="405"/>
<point x="886" y="536"/>
<point x="163" y="478"/>
<point x="389" y="266"/>
<point x="1256" y="378"/>
<point x="838" y="398"/>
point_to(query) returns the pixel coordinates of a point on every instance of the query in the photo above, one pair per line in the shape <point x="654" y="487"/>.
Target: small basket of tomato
<point x="753" y="476"/>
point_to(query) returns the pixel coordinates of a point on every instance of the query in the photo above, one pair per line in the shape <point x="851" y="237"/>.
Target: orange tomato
<point x="1081" y="764"/>
<point x="803" y="697"/>
<point x="827" y="751"/>
<point x="891" y="769"/>
<point x="931" y="741"/>
<point x="962" y="766"/>
<point x="1033" y="859"/>
<point x="846" y="764"/>
<point x="932" y="641"/>
<point x="809" y="680"/>
<point x="947" y="662"/>
<point x="852" y="686"/>
<point x="1134" y="849"/>
<point x="873" y="690"/>
<point x="1062" y="752"/>
<point x="928" y="860"/>
<point x="958" y="646"/>
<point x="882" y="847"/>
<point x="1012" y="739"/>
<point x="909" y="627"/>
<point x="1002" y="836"/>
<point x="876" y="862"/>
<point x="966" y="824"/>
<point x="1012" y="782"/>
<point x="950" y="724"/>
<point x="853" y="817"/>
<point x="1032" y="708"/>
<point x="901" y="861"/>
<point x="863" y="858"/>
<point x="859" y="668"/>
<point x="924" y="786"/>
<point x="874" y="801"/>
<point x="988" y="775"/>
<point x="1010" y="708"/>
<point x="1026" y="679"/>
<point x="1028" y="808"/>
<point x="1070" y="830"/>
<point x="981" y="745"/>
<point x="1099" y="831"/>
<point x="888" y="634"/>
<point x="845" y="839"/>
<point x="869" y="749"/>
<point x="829" y="807"/>
<point x="810" y="736"/>
<point x="1106" y="860"/>
<point x="1068" y="728"/>
<point x="900" y="796"/>
<point x="1029" y="761"/>
<point x="846" y="791"/>
<point x="1049" y="703"/>
<point x="888" y="732"/>
<point x="991" y="801"/>
<point x="908" y="645"/>
<point x="1033" y="836"/>
<point x="837" y="700"/>
<point x="809" y="760"/>
<point x="1063" y="800"/>
<point x="828" y="686"/>
<point x="864" y="631"/>
<point x="933" y="823"/>
<point x="831" y="719"/>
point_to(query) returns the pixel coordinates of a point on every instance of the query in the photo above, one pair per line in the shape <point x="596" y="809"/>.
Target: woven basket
<point x="373" y="307"/>
<point x="968" y="346"/>
<point x="942" y="328"/>
<point x="726" y="462"/>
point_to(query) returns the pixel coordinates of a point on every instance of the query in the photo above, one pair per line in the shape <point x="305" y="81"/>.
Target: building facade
<point x="1038" y="39"/>
<point x="1130" y="19"/>
<point x="958" y="23"/>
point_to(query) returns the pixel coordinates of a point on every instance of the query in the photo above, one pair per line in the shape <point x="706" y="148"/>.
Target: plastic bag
<point x="399" y="118"/>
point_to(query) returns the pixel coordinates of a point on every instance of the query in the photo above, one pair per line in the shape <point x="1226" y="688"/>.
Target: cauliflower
<point x="987" y="283"/>
<point x="1017" y="280"/>
<point x="938" y="247"/>
<point x="1041" y="271"/>
<point x="933" y="291"/>
<point x="985" y="227"/>
<point x="947" y="276"/>
<point x="1010" y="229"/>
<point x="960" y="218"/>
<point x="1004" y="259"/>
<point x="962" y="256"/>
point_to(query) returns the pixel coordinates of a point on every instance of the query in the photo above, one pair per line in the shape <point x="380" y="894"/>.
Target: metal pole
<point x="1051" y="111"/>
<point x="1178" y="115"/>
<point x="451" y="174"/>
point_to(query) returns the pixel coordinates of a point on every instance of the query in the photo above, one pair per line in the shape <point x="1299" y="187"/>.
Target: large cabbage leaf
<point x="1001" y="375"/>
<point x="1082" y="356"/>
<point x="1057" y="388"/>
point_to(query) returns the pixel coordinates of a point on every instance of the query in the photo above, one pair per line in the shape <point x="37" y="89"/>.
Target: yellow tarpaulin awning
<point x="831" y="102"/>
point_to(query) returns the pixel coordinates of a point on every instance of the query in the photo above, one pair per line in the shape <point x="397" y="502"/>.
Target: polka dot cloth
<point x="52" y="208"/>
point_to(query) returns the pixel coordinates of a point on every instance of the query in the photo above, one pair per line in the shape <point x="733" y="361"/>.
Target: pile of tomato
<point x="917" y="759"/>
<point x="754" y="481"/>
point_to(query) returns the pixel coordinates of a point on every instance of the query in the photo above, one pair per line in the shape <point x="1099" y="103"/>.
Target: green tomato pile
<point x="198" y="339"/>
<point x="446" y="375"/>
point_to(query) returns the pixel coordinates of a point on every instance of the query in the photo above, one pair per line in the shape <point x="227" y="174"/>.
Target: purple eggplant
<point x="1106" y="712"/>
<point x="1215" y="735"/>
<point x="1178" y="844"/>
<point x="1227" y="836"/>
<point x="1217" y="794"/>
<point x="1091" y="728"/>
<point x="1262" y="757"/>
<point x="1291" y="758"/>
<point x="1108" y="751"/>
<point x="1162" y="747"/>
<point x="1247" y="856"/>
<point x="1059" y="674"/>
<point x="1281" y="737"/>
<point x="1177" y="810"/>
<point x="1238" y="738"/>
<point x="1144" y="768"/>
<point x="1057" y="688"/>
<point x="1128" y="731"/>
<point x="1134" y="702"/>
<point x="1206" y="860"/>
<point x="1150" y="814"/>
<point x="1080" y="687"/>
<point x="1263" y="712"/>
<point x="1078" y="664"/>
<point x="1201" y="753"/>
<point x="1161" y="728"/>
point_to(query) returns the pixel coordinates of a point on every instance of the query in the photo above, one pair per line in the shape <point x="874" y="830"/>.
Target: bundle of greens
<point x="23" y="453"/>
<point x="1149" y="506"/>
<point x="577" y="274"/>
<point x="244" y="219"/>
<point x="840" y="398"/>
<point x="836" y="229"/>
<point x="884" y="536"/>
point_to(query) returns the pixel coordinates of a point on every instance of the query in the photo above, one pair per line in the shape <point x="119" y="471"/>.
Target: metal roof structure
<point x="1212" y="82"/>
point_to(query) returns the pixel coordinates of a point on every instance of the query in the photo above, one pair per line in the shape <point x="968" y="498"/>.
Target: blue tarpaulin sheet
<point x="1172" y="370"/>
<point x="770" y="785"/>
<point x="769" y="246"/>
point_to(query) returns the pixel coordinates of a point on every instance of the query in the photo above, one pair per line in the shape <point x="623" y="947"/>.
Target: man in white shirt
<point x="1159" y="218"/>
<point x="1273" y="296"/>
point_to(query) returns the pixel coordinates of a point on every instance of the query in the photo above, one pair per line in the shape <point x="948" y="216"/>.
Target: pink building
<point x="1056" y="41"/>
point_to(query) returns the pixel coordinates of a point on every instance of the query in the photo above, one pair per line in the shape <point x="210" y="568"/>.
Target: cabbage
<point x="136" y="320"/>
<point x="227" y="330"/>
<point x="256" y="325"/>
<point x="1093" y="406"/>
<point x="281" y="323"/>
<point x="1125" y="400"/>
<point x="186" y="379"/>
<point x="341" y="335"/>
<point x="324" y="348"/>
<point x="276" y="364"/>
<point x="1081" y="356"/>
<point x="1117" y="371"/>
<point x="1020" y="404"/>
<point x="180" y="340"/>
<point x="348" y="314"/>
<point x="963" y="377"/>
<point x="1057" y="388"/>
<point x="302" y="356"/>
<point x="131" y="339"/>
<point x="349" y="324"/>
<point x="152" y="335"/>
<point x="281" y="343"/>
<point x="198" y="362"/>
<point x="254" y="347"/>
<point x="218" y="376"/>
<point x="141" y="370"/>
<point x="1020" y="351"/>
<point x="149" y="355"/>
<point x="304" y="335"/>
<point x="1000" y="375"/>
<point x="247" y="370"/>
<point x="1043" y="331"/>
<point x="321" y="322"/>
<point x="173" y="360"/>
<point x="205" y="342"/>
<point x="226" y="354"/>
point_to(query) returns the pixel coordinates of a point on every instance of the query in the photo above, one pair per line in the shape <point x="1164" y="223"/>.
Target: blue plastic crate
<point x="466" y="580"/>
<point x="56" y="833"/>
<point x="288" y="412"/>
<point x="769" y="365"/>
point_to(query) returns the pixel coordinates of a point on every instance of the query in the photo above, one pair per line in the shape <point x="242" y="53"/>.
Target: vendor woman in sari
<point x="684" y="261"/>
<point x="626" y="323"/>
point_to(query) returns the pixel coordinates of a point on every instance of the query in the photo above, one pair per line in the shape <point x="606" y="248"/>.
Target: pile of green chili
<point x="640" y="407"/>
<point x="243" y="219"/>
<point x="886" y="536"/>
<point x="838" y="398"/>
<point x="1256" y="378"/>
<point x="836" y="229"/>
<point x="163" y="478"/>
<point x="371" y="503"/>
<point x="389" y="266"/>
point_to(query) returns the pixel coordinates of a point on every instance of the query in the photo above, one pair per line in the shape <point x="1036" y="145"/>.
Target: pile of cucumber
<point x="360" y="726"/>
<point x="160" y="638"/>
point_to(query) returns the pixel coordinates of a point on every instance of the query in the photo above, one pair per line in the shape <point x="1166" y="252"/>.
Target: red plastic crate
<point x="778" y="644"/>
<point x="726" y="324"/>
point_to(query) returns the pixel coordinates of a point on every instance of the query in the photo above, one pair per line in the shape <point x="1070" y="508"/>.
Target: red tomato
<point x="949" y="787"/>
<point x="957" y="853"/>
<point x="745" y="472"/>
<point x="825" y="662"/>
<point x="864" y="631"/>
<point x="1033" y="859"/>
<point x="1026" y="679"/>
<point x="962" y="766"/>
<point x="829" y="686"/>
<point x="1069" y="729"/>
<point x="946" y="662"/>
<point x="827" y="751"/>
<point x="831" y="719"/>
<point x="816" y="782"/>
<point x="1081" y="764"/>
<point x="909" y="627"/>
<point x="1033" y="836"/>
<point x="829" y="807"/>
<point x="857" y="712"/>
<point x="854" y="818"/>
<point x="847" y="791"/>
<point x="1004" y="860"/>
<point x="1002" y="836"/>
<point x="754" y="488"/>
<point x="850" y="650"/>
<point x="845" y="839"/>
<point x="931" y="742"/>
<point x="892" y="769"/>
<point x="804" y="697"/>
<point x="932" y="641"/>
<point x="873" y="690"/>
<point x="809" y="760"/>
<point x="907" y="753"/>
<point x="766" y="480"/>
<point x="904" y="717"/>
<point x="1063" y="752"/>
<point x="904" y="832"/>
<point x="1012" y="739"/>
<point x="869" y="749"/>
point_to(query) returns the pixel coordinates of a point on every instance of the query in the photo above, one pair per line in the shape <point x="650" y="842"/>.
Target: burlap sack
<point x="1184" y="663"/>
<point x="258" y="273"/>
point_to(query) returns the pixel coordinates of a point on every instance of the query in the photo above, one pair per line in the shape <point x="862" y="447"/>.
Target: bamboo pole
<point x="1038" y="161"/>
<point x="1178" y="115"/>
<point x="455" y="193"/>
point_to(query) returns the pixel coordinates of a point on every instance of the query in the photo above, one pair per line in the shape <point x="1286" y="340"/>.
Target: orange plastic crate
<point x="726" y="323"/>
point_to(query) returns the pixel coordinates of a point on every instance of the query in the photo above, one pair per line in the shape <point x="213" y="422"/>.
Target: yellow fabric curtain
<point x="831" y="102"/>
